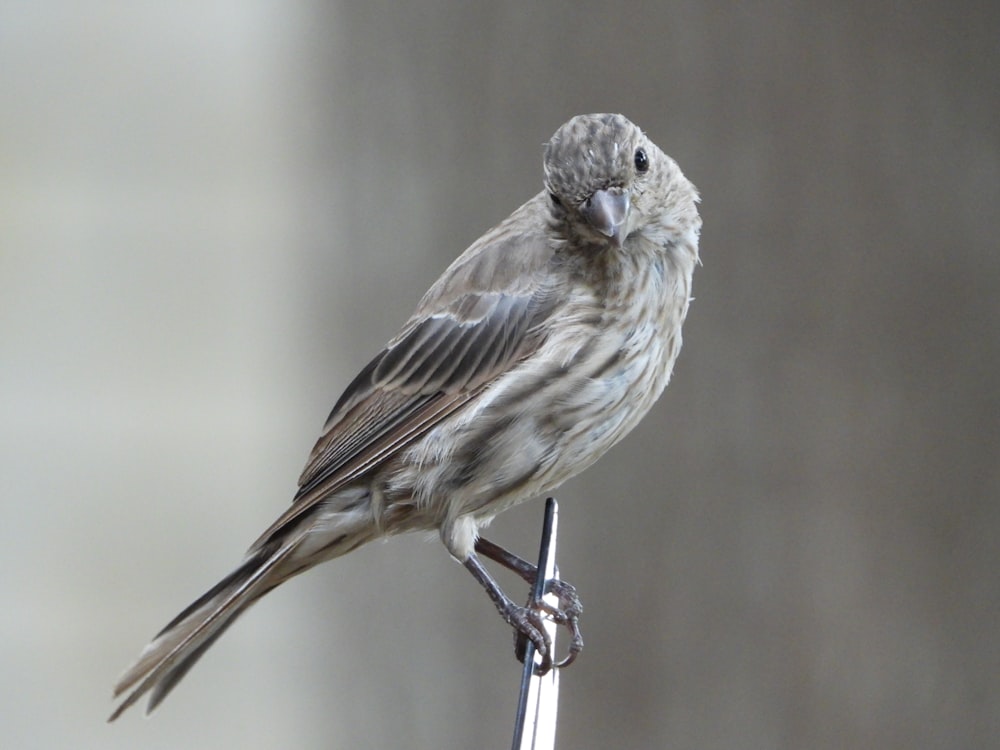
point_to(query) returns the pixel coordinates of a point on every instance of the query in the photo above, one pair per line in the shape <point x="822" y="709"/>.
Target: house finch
<point x="538" y="349"/>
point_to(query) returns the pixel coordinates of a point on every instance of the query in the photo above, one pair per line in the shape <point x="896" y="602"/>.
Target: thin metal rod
<point x="538" y="590"/>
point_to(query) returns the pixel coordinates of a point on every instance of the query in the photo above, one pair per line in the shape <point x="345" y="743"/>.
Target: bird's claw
<point x="566" y="613"/>
<point x="528" y="625"/>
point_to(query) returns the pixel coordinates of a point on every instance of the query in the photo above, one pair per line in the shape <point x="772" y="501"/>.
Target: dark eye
<point x="555" y="199"/>
<point x="641" y="160"/>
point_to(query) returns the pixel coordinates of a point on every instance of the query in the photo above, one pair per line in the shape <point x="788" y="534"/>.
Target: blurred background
<point x="212" y="215"/>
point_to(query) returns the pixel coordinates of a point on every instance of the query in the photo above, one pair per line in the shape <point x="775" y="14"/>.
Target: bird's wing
<point x="480" y="318"/>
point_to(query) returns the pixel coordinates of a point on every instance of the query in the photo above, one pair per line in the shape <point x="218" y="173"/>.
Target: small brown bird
<point x="537" y="350"/>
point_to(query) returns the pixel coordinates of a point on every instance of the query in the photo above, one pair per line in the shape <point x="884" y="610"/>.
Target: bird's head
<point x="607" y="181"/>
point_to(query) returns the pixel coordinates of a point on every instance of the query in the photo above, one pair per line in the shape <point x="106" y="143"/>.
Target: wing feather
<point x="480" y="318"/>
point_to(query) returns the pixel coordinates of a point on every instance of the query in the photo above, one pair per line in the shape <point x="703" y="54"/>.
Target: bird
<point x="538" y="349"/>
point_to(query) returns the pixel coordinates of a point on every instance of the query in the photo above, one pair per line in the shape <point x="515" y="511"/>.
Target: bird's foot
<point x="566" y="613"/>
<point x="529" y="625"/>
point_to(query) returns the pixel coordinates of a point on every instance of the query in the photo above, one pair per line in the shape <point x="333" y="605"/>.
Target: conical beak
<point x="607" y="212"/>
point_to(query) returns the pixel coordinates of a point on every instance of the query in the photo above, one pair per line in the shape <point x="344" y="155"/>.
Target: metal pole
<point x="535" y="721"/>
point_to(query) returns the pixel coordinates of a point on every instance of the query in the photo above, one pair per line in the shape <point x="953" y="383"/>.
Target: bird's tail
<point x="177" y="647"/>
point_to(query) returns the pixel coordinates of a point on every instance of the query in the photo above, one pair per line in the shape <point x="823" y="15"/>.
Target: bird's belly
<point x="535" y="428"/>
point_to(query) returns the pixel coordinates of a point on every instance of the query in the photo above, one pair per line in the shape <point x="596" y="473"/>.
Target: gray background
<point x="211" y="216"/>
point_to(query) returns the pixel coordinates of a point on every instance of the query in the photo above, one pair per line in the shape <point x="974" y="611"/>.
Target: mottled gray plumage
<point x="538" y="349"/>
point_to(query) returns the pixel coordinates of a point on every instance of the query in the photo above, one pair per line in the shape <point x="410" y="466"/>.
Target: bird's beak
<point x="607" y="212"/>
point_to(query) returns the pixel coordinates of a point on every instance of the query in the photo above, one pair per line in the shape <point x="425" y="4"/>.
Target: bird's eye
<point x="641" y="160"/>
<point x="555" y="199"/>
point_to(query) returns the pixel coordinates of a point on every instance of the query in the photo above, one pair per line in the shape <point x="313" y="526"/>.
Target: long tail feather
<point x="181" y="643"/>
<point x="331" y="530"/>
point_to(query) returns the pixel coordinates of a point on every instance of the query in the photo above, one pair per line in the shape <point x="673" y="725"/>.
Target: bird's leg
<point x="525" y="620"/>
<point x="567" y="613"/>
